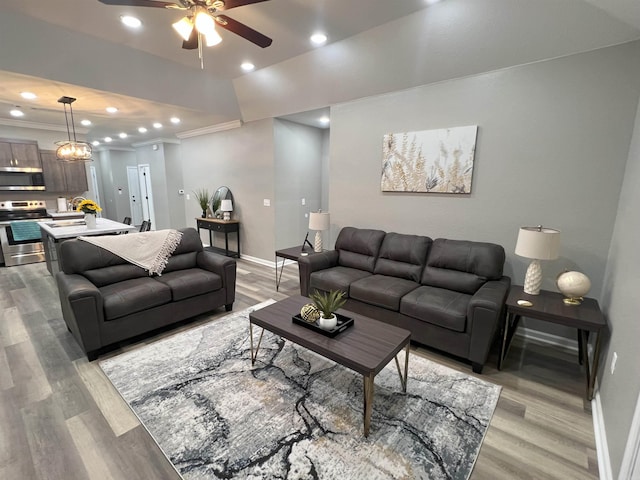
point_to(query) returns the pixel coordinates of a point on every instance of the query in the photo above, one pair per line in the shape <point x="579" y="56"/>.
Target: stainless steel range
<point x="21" y="244"/>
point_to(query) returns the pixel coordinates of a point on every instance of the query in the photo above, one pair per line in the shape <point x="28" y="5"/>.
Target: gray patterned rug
<point x="296" y="415"/>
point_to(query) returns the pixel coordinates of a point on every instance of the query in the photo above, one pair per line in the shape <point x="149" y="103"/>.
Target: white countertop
<point x="76" y="228"/>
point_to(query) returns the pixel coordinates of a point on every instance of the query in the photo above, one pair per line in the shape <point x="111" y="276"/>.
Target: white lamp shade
<point x="183" y="27"/>
<point x="319" y="221"/>
<point x="226" y="206"/>
<point x="538" y="243"/>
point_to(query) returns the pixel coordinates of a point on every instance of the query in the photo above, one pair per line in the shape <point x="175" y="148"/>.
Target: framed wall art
<point x="431" y="161"/>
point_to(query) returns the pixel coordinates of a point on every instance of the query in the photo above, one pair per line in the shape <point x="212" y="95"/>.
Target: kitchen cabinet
<point x="63" y="177"/>
<point x="19" y="154"/>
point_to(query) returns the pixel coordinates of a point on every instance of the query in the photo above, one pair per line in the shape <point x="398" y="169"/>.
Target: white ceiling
<point x="79" y="48"/>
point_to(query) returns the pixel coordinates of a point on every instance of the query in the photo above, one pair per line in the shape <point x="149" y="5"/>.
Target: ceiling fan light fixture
<point x="184" y="27"/>
<point x="206" y="25"/>
<point x="71" y="150"/>
<point x="212" y="39"/>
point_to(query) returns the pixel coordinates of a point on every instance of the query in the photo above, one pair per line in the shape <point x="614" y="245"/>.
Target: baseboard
<point x="259" y="261"/>
<point x="602" y="448"/>
<point x="527" y="334"/>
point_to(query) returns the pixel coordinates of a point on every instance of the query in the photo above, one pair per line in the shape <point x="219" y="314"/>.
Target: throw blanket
<point x="25" y="231"/>
<point x="149" y="250"/>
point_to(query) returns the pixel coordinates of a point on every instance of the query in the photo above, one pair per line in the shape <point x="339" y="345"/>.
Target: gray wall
<point x="175" y="181"/>
<point x="114" y="187"/>
<point x="298" y="175"/>
<point x="621" y="303"/>
<point x="243" y="160"/>
<point x="146" y="155"/>
<point x="552" y="146"/>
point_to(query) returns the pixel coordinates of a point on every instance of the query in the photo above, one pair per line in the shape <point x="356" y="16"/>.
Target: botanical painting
<point x="435" y="161"/>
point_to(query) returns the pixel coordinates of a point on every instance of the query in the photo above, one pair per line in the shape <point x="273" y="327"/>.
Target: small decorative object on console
<point x="574" y="286"/>
<point x="203" y="198"/>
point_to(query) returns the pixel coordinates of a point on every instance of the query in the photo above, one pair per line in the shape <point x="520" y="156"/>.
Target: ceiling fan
<point x="200" y="21"/>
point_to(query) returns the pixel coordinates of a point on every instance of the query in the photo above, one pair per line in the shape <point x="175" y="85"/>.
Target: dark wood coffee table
<point x="365" y="348"/>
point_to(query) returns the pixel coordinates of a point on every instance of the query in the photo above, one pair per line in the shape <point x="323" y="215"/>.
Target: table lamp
<point x="227" y="207"/>
<point x="537" y="243"/>
<point x="318" y="221"/>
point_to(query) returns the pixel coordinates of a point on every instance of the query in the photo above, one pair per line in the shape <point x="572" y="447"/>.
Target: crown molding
<point x="220" y="127"/>
<point x="39" y="126"/>
<point x="155" y="140"/>
<point x="106" y="148"/>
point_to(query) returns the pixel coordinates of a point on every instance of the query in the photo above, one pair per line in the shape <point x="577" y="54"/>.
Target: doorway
<point x="93" y="188"/>
<point x="135" y="205"/>
<point x="146" y="194"/>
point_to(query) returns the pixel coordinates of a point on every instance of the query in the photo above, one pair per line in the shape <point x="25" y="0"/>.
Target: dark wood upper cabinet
<point x="19" y="154"/>
<point x="63" y="177"/>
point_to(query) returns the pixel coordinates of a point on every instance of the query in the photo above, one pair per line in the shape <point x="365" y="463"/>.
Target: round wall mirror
<point x="222" y="193"/>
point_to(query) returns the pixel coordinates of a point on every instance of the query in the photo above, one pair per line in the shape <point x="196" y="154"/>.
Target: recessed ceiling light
<point x="108" y="139"/>
<point x="318" y="38"/>
<point x="28" y="95"/>
<point x="247" y="66"/>
<point x="157" y="125"/>
<point x="324" y="120"/>
<point x="142" y="130"/>
<point x="16" y="113"/>
<point x="111" y="109"/>
<point x="130" y="21"/>
<point x="95" y="143"/>
<point x="175" y="120"/>
<point x="122" y="135"/>
<point x="86" y="122"/>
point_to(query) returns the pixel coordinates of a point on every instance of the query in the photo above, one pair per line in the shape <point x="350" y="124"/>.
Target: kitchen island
<point x="55" y="232"/>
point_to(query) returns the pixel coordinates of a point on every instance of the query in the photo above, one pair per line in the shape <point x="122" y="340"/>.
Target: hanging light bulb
<point x="212" y="38"/>
<point x="71" y="150"/>
<point x="184" y="27"/>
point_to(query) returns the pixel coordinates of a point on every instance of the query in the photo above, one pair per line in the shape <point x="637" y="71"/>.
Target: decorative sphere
<point x="573" y="284"/>
<point x="309" y="313"/>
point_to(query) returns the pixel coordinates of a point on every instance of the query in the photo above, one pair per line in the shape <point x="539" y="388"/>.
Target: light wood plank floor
<point x="60" y="418"/>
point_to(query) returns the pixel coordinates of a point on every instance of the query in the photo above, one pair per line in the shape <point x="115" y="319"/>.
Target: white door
<point x="146" y="194"/>
<point x="93" y="187"/>
<point x="135" y="204"/>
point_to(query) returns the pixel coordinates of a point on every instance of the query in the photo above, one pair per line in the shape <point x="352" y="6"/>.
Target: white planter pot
<point x="328" y="323"/>
<point x="90" y="220"/>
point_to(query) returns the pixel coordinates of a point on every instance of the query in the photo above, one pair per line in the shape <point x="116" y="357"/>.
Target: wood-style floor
<point x="61" y="419"/>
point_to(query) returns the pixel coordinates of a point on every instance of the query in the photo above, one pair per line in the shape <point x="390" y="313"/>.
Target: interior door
<point x="94" y="191"/>
<point x="135" y="203"/>
<point x="146" y="194"/>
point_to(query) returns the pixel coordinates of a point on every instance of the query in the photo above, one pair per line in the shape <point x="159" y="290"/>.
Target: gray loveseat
<point x="449" y="293"/>
<point x="106" y="299"/>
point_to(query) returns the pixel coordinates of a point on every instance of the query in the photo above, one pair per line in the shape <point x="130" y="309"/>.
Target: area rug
<point x="296" y="415"/>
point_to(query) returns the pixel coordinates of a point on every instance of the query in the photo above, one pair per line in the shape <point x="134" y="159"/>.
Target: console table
<point x="291" y="253"/>
<point x="222" y="226"/>
<point x="548" y="306"/>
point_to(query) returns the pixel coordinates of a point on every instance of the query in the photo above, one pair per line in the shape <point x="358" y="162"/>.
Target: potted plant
<point x="203" y="198"/>
<point x="90" y="209"/>
<point x="328" y="303"/>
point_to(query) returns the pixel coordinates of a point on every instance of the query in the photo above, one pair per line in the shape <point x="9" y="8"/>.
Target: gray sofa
<point x="106" y="299"/>
<point x="449" y="293"/>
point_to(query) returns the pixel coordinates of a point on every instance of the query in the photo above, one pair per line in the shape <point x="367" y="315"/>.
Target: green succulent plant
<point x="203" y="198"/>
<point x="328" y="302"/>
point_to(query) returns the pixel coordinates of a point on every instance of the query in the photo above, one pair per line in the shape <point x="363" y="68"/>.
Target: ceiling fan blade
<point x="141" y="3"/>
<point x="192" y="43"/>
<point x="229" y="4"/>
<point x="244" y="31"/>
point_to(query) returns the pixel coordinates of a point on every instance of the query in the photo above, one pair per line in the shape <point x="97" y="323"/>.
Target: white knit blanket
<point x="149" y="250"/>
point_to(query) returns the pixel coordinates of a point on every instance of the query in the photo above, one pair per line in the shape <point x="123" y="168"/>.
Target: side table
<point x="222" y="226"/>
<point x="291" y="253"/>
<point x="548" y="306"/>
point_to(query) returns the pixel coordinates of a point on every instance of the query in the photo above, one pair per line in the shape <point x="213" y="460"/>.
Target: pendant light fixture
<point x="71" y="150"/>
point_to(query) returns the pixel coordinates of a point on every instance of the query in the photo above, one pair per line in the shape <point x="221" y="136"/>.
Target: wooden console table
<point x="548" y="306"/>
<point x="222" y="226"/>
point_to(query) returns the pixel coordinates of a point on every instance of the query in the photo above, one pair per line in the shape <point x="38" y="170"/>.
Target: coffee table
<point x="366" y="347"/>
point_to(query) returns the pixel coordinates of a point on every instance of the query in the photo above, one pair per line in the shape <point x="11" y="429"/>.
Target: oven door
<point x="21" y="246"/>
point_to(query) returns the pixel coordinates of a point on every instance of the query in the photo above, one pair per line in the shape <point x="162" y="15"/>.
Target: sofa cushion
<point x="402" y="256"/>
<point x="180" y="262"/>
<point x="463" y="266"/>
<point x="131" y="296"/>
<point x="438" y="306"/>
<point x="114" y="274"/>
<point x="358" y="247"/>
<point x="381" y="290"/>
<point x="335" y="278"/>
<point x="190" y="282"/>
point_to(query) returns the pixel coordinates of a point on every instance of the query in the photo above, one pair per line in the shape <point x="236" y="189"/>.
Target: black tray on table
<point x="341" y="326"/>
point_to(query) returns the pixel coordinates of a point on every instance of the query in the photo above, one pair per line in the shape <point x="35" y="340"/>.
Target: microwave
<point x="21" y="181"/>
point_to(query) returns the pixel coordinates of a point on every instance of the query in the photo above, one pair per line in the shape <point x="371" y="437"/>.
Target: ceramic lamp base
<point x="533" y="278"/>
<point x="317" y="247"/>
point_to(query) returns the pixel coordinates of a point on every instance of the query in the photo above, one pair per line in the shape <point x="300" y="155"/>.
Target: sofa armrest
<point x="312" y="263"/>
<point x="484" y="313"/>
<point x="223" y="266"/>
<point x="82" y="309"/>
